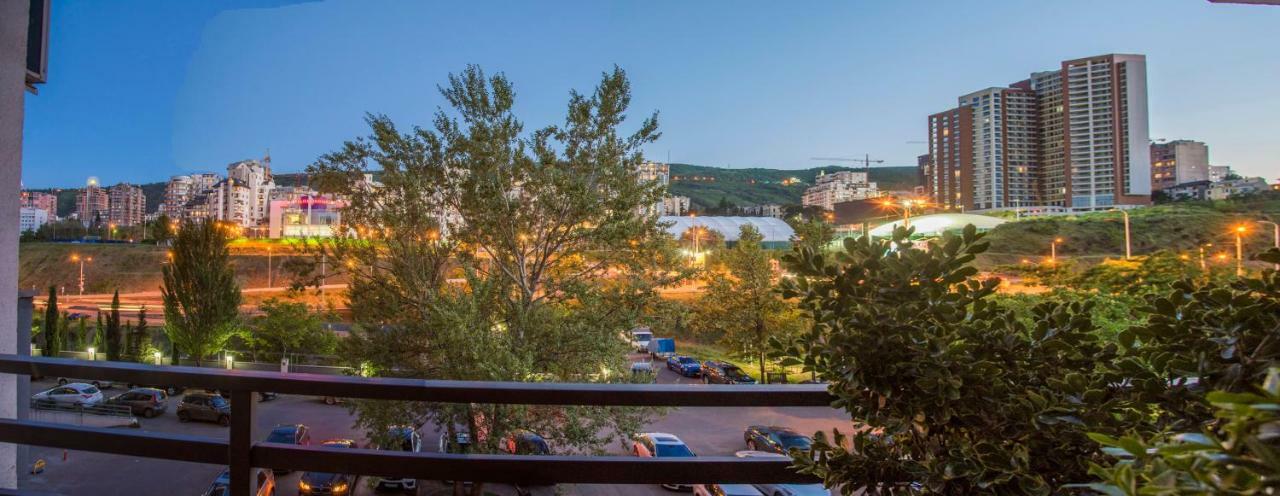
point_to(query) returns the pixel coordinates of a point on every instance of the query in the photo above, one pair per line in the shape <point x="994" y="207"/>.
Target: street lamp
<point x="1202" y="247"/>
<point x="158" y="355"/>
<point x="81" y="261"/>
<point x="1128" y="253"/>
<point x="1275" y="234"/>
<point x="93" y="353"/>
<point x="231" y="362"/>
<point x="1053" y="250"/>
<point x="268" y="266"/>
<point x="1240" y="230"/>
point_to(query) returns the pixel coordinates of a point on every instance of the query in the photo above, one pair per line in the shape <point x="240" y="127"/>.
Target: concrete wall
<point x="13" y="71"/>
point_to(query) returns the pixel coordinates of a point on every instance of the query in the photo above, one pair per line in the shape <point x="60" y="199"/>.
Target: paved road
<point x="708" y="431"/>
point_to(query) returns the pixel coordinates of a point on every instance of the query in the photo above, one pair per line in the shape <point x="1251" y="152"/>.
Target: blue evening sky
<point x="141" y="90"/>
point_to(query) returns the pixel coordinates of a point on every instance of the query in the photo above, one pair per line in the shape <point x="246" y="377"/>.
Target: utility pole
<point x="1275" y="234"/>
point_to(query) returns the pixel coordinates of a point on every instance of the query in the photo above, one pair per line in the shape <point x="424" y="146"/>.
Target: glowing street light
<point x="76" y="258"/>
<point x="93" y="353"/>
<point x="1275" y="234"/>
<point x="231" y="362"/>
<point x="1202" y="247"/>
<point x="1240" y="230"/>
<point x="158" y="356"/>
<point x="1053" y="250"/>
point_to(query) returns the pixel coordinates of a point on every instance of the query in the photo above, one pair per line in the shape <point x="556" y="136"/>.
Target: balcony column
<point x="13" y="72"/>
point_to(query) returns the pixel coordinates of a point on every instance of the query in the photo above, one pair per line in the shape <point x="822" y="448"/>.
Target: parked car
<point x="72" y="393"/>
<point x="775" y="439"/>
<point x="725" y="490"/>
<point x="98" y="383"/>
<point x="222" y="485"/>
<point x="204" y="406"/>
<point x="661" y="445"/>
<point x="724" y="373"/>
<point x="640" y="338"/>
<point x="783" y="489"/>
<point x="295" y="434"/>
<point x="147" y="402"/>
<point x="685" y="366"/>
<point x="662" y="347"/>
<point x="169" y="390"/>
<point x="327" y="483"/>
<point x="643" y="371"/>
<point x="401" y="438"/>
<point x="523" y="442"/>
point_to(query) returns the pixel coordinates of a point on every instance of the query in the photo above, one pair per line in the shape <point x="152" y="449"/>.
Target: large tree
<point x="490" y="253"/>
<point x="52" y="331"/>
<point x="200" y="293"/>
<point x="741" y="309"/>
<point x="285" y="327"/>
<point x="114" y="334"/>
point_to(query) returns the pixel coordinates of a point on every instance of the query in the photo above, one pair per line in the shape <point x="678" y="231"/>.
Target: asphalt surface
<point x="707" y="431"/>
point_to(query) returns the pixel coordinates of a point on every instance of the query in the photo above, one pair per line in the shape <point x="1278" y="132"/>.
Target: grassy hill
<point x="759" y="186"/>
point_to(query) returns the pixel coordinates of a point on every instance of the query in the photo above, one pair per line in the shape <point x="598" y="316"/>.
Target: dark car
<point x="327" y="483"/>
<point x="147" y="402"/>
<point x="295" y="434"/>
<point x="204" y="406"/>
<point x="775" y="439"/>
<point x="399" y="438"/>
<point x="724" y="373"/>
<point x="523" y="442"/>
<point x="685" y="366"/>
<point x="222" y="485"/>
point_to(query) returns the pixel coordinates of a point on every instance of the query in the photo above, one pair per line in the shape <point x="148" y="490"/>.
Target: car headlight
<point x="340" y="487"/>
<point x="303" y="486"/>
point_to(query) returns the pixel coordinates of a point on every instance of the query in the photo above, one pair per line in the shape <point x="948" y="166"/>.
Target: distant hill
<point x="705" y="186"/>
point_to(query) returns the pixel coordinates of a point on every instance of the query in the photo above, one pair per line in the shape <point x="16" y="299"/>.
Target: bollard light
<point x="231" y="361"/>
<point x="93" y="353"/>
<point x="158" y="356"/>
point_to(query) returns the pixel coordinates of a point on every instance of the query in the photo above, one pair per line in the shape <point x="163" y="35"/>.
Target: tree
<point x="740" y="307"/>
<point x="550" y="214"/>
<point x="137" y="336"/>
<point x="162" y="229"/>
<point x="114" y="335"/>
<point x="814" y="234"/>
<point x="950" y="392"/>
<point x="200" y="294"/>
<point x="288" y="327"/>
<point x="52" y="336"/>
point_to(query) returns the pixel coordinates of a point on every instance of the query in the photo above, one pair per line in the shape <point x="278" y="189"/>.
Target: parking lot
<point x="707" y="431"/>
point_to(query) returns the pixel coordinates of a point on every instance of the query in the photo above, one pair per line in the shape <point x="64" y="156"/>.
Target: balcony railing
<point x="242" y="452"/>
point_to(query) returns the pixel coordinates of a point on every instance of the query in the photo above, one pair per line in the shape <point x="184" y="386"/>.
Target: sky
<point x="140" y="90"/>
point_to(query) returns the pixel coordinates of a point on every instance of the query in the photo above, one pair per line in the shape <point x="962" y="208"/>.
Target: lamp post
<point x="1128" y="252"/>
<point x="81" y="260"/>
<point x="158" y="355"/>
<point x="1202" y="247"/>
<point x="93" y="353"/>
<point x="268" y="266"/>
<point x="1053" y="250"/>
<point x="1240" y="230"/>
<point x="1275" y="235"/>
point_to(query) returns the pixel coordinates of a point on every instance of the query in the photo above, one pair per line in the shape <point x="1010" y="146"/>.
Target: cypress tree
<point x="51" y="329"/>
<point x="113" y="333"/>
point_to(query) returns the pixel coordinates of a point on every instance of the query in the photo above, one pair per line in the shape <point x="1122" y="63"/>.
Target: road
<point x="707" y="430"/>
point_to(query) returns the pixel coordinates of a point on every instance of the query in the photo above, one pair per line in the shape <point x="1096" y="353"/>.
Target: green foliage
<point x="950" y="393"/>
<point x="162" y="229"/>
<point x="814" y="234"/>
<point x="201" y="297"/>
<point x="113" y="334"/>
<point x="757" y="186"/>
<point x="137" y="340"/>
<point x="550" y="214"/>
<point x="288" y="327"/>
<point x="740" y="308"/>
<point x="53" y="335"/>
<point x="1141" y="275"/>
<point x="1235" y="455"/>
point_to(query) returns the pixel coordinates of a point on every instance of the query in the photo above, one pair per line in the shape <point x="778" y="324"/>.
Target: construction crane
<point x="865" y="160"/>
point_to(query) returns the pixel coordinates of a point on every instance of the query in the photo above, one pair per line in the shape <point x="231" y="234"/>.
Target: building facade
<point x="654" y="172"/>
<point x="126" y="205"/>
<point x="1178" y="162"/>
<point x="92" y="203"/>
<point x="30" y="219"/>
<point x="675" y="205"/>
<point x="1236" y="187"/>
<point x="1075" y="138"/>
<point x="829" y="189"/>
<point x="767" y="210"/>
<point x="1218" y="173"/>
<point x="43" y="201"/>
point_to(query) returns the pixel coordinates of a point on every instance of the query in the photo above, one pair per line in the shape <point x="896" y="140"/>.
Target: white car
<point x="73" y="393"/>
<point x="661" y="445"/>
<point x="725" y="490"/>
<point x="783" y="489"/>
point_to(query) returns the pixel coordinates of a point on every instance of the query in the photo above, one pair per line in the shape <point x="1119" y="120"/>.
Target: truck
<point x="640" y="338"/>
<point x="662" y="348"/>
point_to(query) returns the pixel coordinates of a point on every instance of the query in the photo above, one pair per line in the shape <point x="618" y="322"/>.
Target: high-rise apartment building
<point x="1177" y="162"/>
<point x="659" y="173"/>
<point x="92" y="203"/>
<point x="841" y="186"/>
<point x="1074" y="138"/>
<point x="256" y="178"/>
<point x="30" y="219"/>
<point x="42" y="201"/>
<point x="126" y="205"/>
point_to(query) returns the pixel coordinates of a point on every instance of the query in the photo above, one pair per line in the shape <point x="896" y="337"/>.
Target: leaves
<point x="200" y="294"/>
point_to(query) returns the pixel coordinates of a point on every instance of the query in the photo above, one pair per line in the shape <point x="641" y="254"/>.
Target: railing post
<point x="243" y="406"/>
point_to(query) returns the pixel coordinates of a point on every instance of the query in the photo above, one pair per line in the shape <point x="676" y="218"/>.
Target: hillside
<point x="758" y="186"/>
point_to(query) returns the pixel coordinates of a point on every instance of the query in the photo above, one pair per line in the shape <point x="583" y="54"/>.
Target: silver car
<point x="72" y="393"/>
<point x="783" y="489"/>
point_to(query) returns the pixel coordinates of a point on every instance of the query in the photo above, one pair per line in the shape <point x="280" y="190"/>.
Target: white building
<point x="842" y="186"/>
<point x="766" y="210"/>
<point x="256" y="178"/>
<point x="657" y="173"/>
<point x="1178" y="162"/>
<point x="1219" y="173"/>
<point x="30" y="219"/>
<point x="1236" y="187"/>
<point x="675" y="205"/>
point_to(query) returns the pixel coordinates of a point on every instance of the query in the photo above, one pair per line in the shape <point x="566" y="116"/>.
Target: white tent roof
<point x="772" y="229"/>
<point x="933" y="225"/>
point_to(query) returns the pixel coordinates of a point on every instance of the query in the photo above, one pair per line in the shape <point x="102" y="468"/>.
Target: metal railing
<point x="242" y="452"/>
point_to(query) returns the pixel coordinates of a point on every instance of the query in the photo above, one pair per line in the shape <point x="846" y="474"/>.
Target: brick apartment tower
<point x="1075" y="138"/>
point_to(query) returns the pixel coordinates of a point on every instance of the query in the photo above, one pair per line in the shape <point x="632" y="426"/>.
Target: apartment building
<point x="43" y="201"/>
<point x="126" y="205"/>
<point x="92" y="203"/>
<point x="1178" y="162"/>
<point x="659" y="173"/>
<point x="1075" y="137"/>
<point x="30" y="219"/>
<point x="829" y="189"/>
<point x="675" y="205"/>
